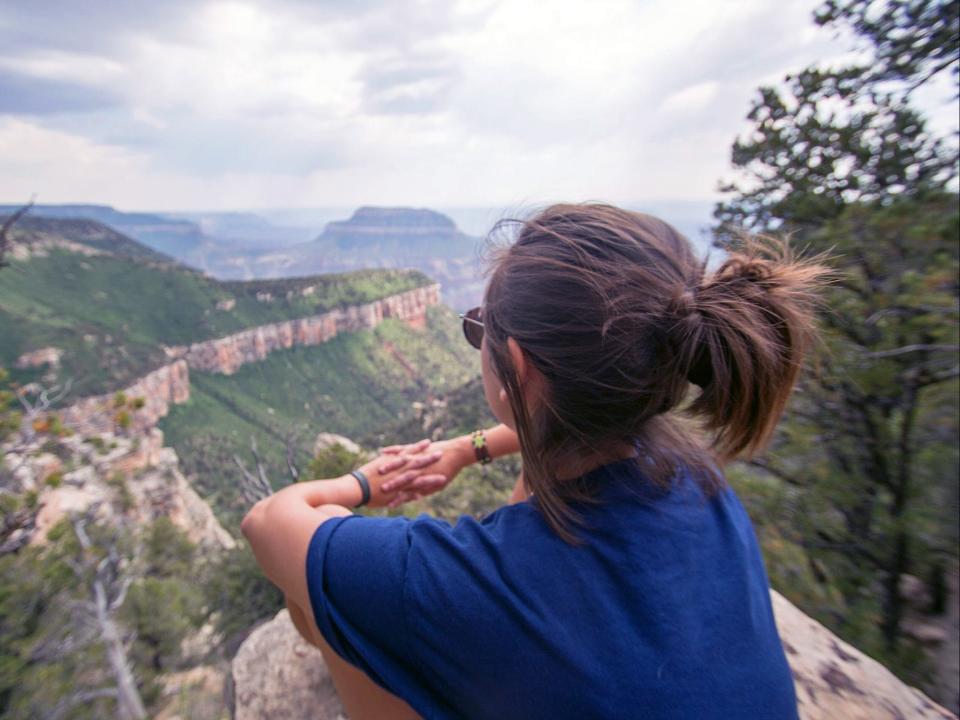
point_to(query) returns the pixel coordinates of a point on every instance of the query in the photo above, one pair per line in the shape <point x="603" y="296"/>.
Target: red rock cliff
<point x="227" y="354"/>
<point x="158" y="390"/>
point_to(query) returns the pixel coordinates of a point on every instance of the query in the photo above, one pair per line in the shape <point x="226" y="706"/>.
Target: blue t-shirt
<point x="663" y="612"/>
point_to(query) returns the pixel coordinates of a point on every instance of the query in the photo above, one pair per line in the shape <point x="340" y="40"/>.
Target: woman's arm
<point x="457" y="454"/>
<point x="279" y="527"/>
<point x="501" y="440"/>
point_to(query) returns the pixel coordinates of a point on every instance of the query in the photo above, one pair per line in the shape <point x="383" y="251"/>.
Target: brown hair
<point x="618" y="315"/>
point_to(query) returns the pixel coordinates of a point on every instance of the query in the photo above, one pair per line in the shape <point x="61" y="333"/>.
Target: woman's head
<point x="596" y="322"/>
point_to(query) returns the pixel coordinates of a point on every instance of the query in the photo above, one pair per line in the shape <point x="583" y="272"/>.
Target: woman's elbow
<point x="253" y="521"/>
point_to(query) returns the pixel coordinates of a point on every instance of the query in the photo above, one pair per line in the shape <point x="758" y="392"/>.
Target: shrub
<point x="54" y="480"/>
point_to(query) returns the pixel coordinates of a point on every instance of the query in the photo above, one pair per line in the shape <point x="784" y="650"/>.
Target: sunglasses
<point x="472" y="327"/>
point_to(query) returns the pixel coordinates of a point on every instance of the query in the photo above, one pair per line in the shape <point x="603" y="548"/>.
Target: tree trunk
<point x="129" y="704"/>
<point x="900" y="559"/>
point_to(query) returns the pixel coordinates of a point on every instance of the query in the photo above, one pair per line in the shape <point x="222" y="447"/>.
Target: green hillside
<point x="111" y="314"/>
<point x="358" y="385"/>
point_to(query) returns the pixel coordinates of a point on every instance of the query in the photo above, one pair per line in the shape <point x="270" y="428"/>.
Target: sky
<point x="246" y="104"/>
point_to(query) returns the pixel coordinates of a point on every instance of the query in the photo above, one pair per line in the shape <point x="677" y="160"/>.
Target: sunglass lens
<point x="472" y="330"/>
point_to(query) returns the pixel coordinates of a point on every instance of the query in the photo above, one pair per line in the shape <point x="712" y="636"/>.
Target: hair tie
<point x="685" y="304"/>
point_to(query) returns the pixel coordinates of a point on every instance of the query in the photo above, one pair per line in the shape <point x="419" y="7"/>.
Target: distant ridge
<point x="94" y="234"/>
<point x="174" y="237"/>
<point x="103" y="213"/>
<point x="387" y="237"/>
<point x="371" y="237"/>
<point x="392" y="221"/>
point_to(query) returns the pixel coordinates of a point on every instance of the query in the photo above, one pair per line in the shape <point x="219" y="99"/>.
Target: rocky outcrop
<point x="72" y="228"/>
<point x="835" y="680"/>
<point x="40" y="357"/>
<point x="149" y="399"/>
<point x="278" y="675"/>
<point x="227" y="354"/>
<point x="134" y="480"/>
<point x="325" y="441"/>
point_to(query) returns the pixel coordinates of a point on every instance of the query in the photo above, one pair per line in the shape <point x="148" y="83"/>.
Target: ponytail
<point x="756" y="324"/>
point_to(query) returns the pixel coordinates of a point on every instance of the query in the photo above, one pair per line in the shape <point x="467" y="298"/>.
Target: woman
<point x="626" y="582"/>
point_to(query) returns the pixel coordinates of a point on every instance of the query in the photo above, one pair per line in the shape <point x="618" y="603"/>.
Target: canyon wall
<point x="227" y="354"/>
<point x="149" y="398"/>
<point x="157" y="391"/>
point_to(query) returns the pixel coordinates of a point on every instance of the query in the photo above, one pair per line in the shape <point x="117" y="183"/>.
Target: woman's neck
<point x="578" y="465"/>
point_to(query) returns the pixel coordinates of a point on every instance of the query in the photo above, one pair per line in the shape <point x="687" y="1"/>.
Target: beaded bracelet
<point x="480" y="448"/>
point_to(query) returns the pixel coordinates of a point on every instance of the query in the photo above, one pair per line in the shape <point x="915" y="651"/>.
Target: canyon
<point x="141" y="404"/>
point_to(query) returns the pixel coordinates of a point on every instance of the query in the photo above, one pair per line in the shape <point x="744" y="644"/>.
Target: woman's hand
<point x="425" y="467"/>
<point x="384" y="470"/>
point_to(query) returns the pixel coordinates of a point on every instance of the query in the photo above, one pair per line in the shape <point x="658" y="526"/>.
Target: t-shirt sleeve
<point x="356" y="568"/>
<point x="410" y="601"/>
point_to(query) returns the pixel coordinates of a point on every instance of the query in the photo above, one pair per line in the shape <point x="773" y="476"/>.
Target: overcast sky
<point x="184" y="104"/>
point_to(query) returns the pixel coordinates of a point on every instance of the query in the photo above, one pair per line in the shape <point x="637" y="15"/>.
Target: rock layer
<point x="227" y="354"/>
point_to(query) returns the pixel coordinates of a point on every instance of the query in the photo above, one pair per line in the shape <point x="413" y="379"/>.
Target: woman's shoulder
<point x="501" y="524"/>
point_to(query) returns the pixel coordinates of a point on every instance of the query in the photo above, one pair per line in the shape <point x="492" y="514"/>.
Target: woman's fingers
<point x="409" y="461"/>
<point x="408" y="449"/>
<point x="394" y="463"/>
<point x="400" y="482"/>
<point x="424" y="460"/>
<point x="402" y="498"/>
<point x="409" y="473"/>
<point x="417" y="447"/>
<point x="427" y="484"/>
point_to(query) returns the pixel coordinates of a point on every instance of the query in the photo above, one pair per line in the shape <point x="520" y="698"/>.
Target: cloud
<point x="23" y="94"/>
<point x="92" y="27"/>
<point x="694" y="98"/>
<point x="413" y="85"/>
<point x="247" y="103"/>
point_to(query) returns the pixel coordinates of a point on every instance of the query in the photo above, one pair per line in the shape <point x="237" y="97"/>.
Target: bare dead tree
<point x="39" y="403"/>
<point x="253" y="487"/>
<point x="107" y="583"/>
<point x="290" y="444"/>
<point x="34" y="404"/>
<point x="8" y="223"/>
<point x="256" y="486"/>
<point x="79" y="698"/>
